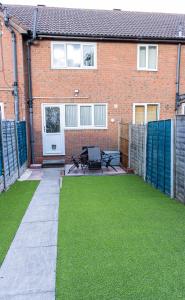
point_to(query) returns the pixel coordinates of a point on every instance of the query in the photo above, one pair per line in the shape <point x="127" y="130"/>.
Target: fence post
<point x="129" y="143"/>
<point x="119" y="125"/>
<point x="17" y="149"/>
<point x="145" y="151"/>
<point x="173" y="124"/>
<point x="3" y="162"/>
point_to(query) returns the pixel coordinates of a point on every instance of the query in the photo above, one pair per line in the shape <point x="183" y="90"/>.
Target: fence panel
<point x="159" y="162"/>
<point x="124" y="143"/>
<point x="137" y="149"/>
<point x="22" y="145"/>
<point x="9" y="152"/>
<point x="13" y="152"/>
<point x="1" y="163"/>
<point x="180" y="158"/>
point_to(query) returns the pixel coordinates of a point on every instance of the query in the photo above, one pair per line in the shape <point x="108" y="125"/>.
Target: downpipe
<point x="178" y="77"/>
<point x="15" y="76"/>
<point x="30" y="95"/>
<point x="14" y="62"/>
<point x="30" y="101"/>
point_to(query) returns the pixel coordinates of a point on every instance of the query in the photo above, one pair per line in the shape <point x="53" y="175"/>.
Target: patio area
<point x="86" y="172"/>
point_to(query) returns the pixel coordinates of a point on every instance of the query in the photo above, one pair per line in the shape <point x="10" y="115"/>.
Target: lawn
<point x="13" y="205"/>
<point x="119" y="238"/>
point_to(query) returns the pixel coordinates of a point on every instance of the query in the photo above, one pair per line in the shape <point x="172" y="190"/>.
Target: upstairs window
<point x="147" y="57"/>
<point x="73" y="55"/>
<point x="145" y="112"/>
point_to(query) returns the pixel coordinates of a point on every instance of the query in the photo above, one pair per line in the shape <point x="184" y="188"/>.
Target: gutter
<point x="15" y="69"/>
<point x="112" y="39"/>
<point x="30" y="95"/>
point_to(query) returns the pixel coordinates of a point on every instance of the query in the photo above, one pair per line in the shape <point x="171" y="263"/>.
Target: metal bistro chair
<point x="107" y="159"/>
<point x="80" y="161"/>
<point x="76" y="164"/>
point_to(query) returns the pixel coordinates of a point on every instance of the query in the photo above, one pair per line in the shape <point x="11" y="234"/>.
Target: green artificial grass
<point x="119" y="238"/>
<point x="13" y="205"/>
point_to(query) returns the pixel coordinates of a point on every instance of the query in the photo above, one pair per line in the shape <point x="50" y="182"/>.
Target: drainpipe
<point x="15" y="72"/>
<point x="30" y="95"/>
<point x="178" y="76"/>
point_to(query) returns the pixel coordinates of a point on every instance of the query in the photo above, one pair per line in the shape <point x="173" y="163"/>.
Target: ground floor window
<point x="86" y="116"/>
<point x="145" y="112"/>
<point x="2" y="110"/>
<point x="183" y="109"/>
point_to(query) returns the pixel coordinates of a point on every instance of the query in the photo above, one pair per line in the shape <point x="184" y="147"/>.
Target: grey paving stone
<point x="41" y="213"/>
<point x="37" y="234"/>
<point x="50" y="189"/>
<point x="40" y="296"/>
<point x="28" y="270"/>
<point x="46" y="199"/>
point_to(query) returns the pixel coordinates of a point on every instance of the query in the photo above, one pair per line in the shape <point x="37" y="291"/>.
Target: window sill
<point x="85" y="128"/>
<point x="148" y="70"/>
<point x="73" y="68"/>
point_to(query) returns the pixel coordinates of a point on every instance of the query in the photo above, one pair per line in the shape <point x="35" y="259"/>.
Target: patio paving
<point x="104" y="171"/>
<point x="28" y="271"/>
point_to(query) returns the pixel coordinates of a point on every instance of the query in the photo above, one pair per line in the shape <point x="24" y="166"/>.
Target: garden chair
<point x="107" y="158"/>
<point x="76" y="164"/>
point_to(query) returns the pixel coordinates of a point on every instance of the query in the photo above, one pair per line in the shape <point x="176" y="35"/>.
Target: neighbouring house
<point x="74" y="74"/>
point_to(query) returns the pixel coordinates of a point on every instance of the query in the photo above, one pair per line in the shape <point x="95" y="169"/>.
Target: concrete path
<point x="29" y="269"/>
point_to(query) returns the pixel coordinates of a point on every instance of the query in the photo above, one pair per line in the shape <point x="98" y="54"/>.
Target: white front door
<point x="53" y="129"/>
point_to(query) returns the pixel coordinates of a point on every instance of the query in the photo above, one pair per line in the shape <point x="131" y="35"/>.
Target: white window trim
<point x="146" y="69"/>
<point x="183" y="108"/>
<point x="2" y="109"/>
<point x="145" y="105"/>
<point x="79" y="127"/>
<point x="75" y="68"/>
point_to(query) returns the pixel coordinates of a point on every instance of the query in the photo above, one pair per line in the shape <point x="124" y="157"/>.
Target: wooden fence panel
<point x="159" y="162"/>
<point x="9" y="145"/>
<point x="13" y="152"/>
<point x="124" y="143"/>
<point x="137" y="149"/>
<point x="180" y="158"/>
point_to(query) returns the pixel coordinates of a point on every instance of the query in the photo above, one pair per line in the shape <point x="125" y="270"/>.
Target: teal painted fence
<point x="159" y="164"/>
<point x="22" y="142"/>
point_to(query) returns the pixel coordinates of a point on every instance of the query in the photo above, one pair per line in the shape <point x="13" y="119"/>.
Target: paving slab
<point x="36" y="234"/>
<point x="29" y="269"/>
<point x="40" y="296"/>
<point x="46" y="199"/>
<point x="43" y="213"/>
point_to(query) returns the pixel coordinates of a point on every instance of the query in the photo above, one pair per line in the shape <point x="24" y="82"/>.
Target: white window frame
<point x="2" y="109"/>
<point x="145" y="106"/>
<point x="82" y="67"/>
<point x="79" y="127"/>
<point x="138" y="55"/>
<point x="183" y="108"/>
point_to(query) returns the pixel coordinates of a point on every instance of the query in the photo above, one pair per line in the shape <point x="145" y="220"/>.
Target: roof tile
<point x="99" y="23"/>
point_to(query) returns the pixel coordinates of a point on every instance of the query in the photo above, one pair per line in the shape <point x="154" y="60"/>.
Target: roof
<point x="99" y="23"/>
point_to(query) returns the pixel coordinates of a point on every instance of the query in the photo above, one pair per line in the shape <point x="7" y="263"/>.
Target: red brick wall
<point x="6" y="73"/>
<point x="116" y="81"/>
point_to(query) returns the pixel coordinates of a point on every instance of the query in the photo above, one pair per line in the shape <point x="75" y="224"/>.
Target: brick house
<point x="81" y="72"/>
